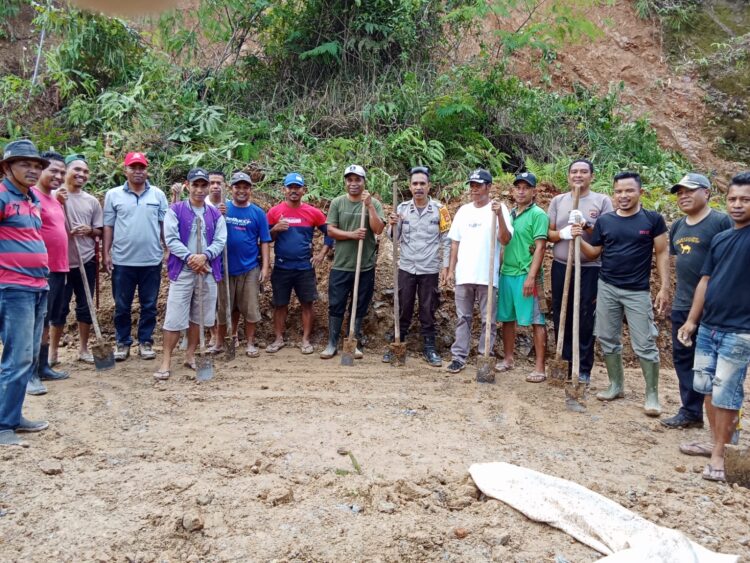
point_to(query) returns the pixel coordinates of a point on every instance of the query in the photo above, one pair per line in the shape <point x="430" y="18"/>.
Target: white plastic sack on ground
<point x="589" y="517"/>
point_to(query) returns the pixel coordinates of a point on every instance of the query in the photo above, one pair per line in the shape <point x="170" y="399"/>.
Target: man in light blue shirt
<point x="133" y="235"/>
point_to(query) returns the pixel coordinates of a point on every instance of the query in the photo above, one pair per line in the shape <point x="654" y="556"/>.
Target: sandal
<point x="503" y="367"/>
<point x="252" y="352"/>
<point x="711" y="474"/>
<point x="216" y="350"/>
<point x="697" y="448"/>
<point x="536" y="377"/>
<point x="307" y="348"/>
<point x="274" y="347"/>
<point x="162" y="374"/>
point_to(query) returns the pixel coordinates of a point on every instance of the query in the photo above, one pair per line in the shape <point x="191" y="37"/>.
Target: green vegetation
<point x="312" y="86"/>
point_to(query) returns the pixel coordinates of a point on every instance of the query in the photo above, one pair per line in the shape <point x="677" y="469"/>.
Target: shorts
<point x="720" y="367"/>
<point x="183" y="306"/>
<point x="304" y="283"/>
<point x="57" y="310"/>
<point x="513" y="306"/>
<point x="244" y="293"/>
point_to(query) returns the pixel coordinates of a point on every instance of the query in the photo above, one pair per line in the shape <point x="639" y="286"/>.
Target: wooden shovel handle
<point x="199" y="278"/>
<point x="396" y="302"/>
<point x="360" y="247"/>
<point x="566" y="285"/>
<point x="490" y="284"/>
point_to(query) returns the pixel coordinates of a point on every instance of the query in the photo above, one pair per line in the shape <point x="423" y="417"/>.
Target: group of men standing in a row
<point x="42" y="200"/>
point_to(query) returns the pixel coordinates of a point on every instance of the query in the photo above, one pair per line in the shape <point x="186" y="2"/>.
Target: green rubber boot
<point x="616" y="389"/>
<point x="651" y="375"/>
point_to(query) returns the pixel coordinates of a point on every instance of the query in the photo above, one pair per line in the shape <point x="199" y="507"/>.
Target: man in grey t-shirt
<point x="689" y="241"/>
<point x="592" y="206"/>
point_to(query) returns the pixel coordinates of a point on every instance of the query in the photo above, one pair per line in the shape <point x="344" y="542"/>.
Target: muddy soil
<point x="255" y="466"/>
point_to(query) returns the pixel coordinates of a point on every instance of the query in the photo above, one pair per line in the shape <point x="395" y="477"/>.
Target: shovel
<point x="558" y="368"/>
<point x="204" y="363"/>
<point x="229" y="349"/>
<point x="486" y="363"/>
<point x="350" y="342"/>
<point x="737" y="465"/>
<point x="398" y="348"/>
<point x="574" y="390"/>
<point x="104" y="357"/>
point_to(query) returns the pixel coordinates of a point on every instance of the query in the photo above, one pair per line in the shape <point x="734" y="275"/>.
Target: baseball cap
<point x="692" y="181"/>
<point x="197" y="174"/>
<point x="355" y="169"/>
<point x="481" y="176"/>
<point x="527" y="177"/>
<point x="135" y="158"/>
<point x="238" y="177"/>
<point x="294" y="178"/>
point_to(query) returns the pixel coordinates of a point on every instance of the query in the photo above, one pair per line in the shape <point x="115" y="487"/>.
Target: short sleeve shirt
<point x="83" y="209"/>
<point x="593" y="205"/>
<point x="247" y="227"/>
<point x="346" y="215"/>
<point x="628" y="247"/>
<point x="54" y="232"/>
<point x="293" y="248"/>
<point x="690" y="244"/>
<point x="528" y="226"/>
<point x="727" y="304"/>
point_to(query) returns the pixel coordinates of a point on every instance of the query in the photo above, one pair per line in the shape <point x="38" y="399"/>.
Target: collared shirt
<point x="23" y="255"/>
<point x="424" y="246"/>
<point x="136" y="220"/>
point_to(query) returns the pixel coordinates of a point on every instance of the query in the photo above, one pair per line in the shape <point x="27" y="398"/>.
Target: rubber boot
<point x="334" y="331"/>
<point x="35" y="385"/>
<point x="358" y="355"/>
<point x="651" y="375"/>
<point x="429" y="354"/>
<point x="616" y="375"/>
<point x="45" y="372"/>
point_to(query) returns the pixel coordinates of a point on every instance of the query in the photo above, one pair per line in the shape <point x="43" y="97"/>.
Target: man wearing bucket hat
<point x="23" y="284"/>
<point x="689" y="242"/>
<point x="293" y="225"/>
<point x="344" y="217"/>
<point x="133" y="253"/>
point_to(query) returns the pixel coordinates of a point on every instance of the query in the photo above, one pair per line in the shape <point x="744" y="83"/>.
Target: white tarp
<point x="592" y="519"/>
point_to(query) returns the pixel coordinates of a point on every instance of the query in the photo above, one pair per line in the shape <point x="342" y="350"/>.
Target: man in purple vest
<point x="189" y="269"/>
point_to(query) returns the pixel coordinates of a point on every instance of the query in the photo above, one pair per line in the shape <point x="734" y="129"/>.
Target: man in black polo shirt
<point x="625" y="239"/>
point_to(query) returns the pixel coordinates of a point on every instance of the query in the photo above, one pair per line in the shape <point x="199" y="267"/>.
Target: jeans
<point x="21" y="321"/>
<point x="721" y="362"/>
<point x="426" y="287"/>
<point x="683" y="358"/>
<point x="466" y="295"/>
<point x="125" y="279"/>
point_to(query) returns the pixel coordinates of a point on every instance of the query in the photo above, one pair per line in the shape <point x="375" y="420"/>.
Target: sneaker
<point x="681" y="421"/>
<point x="122" y="352"/>
<point x="146" y="352"/>
<point x="27" y="425"/>
<point x="455" y="366"/>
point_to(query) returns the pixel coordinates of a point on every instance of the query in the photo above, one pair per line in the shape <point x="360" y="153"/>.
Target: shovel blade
<point x="558" y="372"/>
<point x="347" y="353"/>
<point x="204" y="368"/>
<point x="104" y="357"/>
<point x="737" y="465"/>
<point x="398" y="354"/>
<point x="229" y="349"/>
<point x="575" y="396"/>
<point x="485" y="369"/>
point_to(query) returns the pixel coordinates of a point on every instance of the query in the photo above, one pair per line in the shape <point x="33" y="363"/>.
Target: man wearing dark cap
<point x="471" y="235"/>
<point x="193" y="275"/>
<point x="133" y="253"/>
<point x="55" y="236"/>
<point x="86" y="221"/>
<point x="689" y="242"/>
<point x="344" y="217"/>
<point x="247" y="233"/>
<point x="23" y="285"/>
<point x="518" y="300"/>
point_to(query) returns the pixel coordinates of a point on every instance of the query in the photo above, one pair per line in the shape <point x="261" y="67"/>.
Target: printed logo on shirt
<point x="644" y="232"/>
<point x="237" y="222"/>
<point x="593" y="213"/>
<point x="685" y="244"/>
<point x="293" y="220"/>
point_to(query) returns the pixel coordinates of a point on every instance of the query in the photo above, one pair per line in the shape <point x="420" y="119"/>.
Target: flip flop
<point x="536" y="377"/>
<point x="711" y="474"/>
<point x="307" y="348"/>
<point x="274" y="347"/>
<point x="697" y="448"/>
<point x="214" y="350"/>
<point x="161" y="375"/>
<point x="503" y="367"/>
<point x="252" y="352"/>
<point x="189" y="365"/>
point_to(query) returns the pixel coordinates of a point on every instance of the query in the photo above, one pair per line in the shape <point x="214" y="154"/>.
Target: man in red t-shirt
<point x="55" y="237"/>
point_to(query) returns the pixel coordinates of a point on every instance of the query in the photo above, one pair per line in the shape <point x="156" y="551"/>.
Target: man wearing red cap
<point x="133" y="253"/>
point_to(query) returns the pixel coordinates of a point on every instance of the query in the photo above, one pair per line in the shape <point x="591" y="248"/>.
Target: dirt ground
<point x="253" y="465"/>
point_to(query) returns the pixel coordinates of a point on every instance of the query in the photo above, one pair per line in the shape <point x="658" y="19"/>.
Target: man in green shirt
<point x="343" y="221"/>
<point x="518" y="299"/>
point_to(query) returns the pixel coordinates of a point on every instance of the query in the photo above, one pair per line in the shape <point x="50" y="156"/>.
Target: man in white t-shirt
<point x="471" y="235"/>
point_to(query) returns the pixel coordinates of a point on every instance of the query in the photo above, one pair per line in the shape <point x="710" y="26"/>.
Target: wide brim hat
<point x="23" y="149"/>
